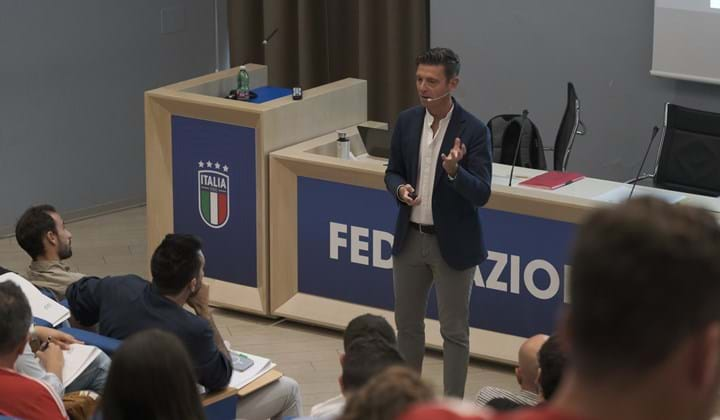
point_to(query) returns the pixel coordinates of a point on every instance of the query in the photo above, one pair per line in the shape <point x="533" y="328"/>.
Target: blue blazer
<point x="455" y="203"/>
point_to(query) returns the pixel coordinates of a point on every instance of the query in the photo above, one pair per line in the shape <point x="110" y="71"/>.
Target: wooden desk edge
<point x="261" y="381"/>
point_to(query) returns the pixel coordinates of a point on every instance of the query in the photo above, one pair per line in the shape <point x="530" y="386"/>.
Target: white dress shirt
<point x="427" y="162"/>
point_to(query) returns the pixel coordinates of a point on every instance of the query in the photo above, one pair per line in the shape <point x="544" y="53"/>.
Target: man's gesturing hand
<point x="450" y="161"/>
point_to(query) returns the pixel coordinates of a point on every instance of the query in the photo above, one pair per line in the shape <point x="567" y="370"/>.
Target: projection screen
<point x="686" y="41"/>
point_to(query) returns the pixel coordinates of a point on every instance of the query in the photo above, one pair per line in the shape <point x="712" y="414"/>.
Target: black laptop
<point x="376" y="141"/>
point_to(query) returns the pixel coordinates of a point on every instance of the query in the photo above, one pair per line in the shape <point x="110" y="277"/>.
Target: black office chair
<point x="689" y="154"/>
<point x="570" y="127"/>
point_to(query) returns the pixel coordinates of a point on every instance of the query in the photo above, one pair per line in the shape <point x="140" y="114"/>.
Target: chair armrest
<point x="106" y="344"/>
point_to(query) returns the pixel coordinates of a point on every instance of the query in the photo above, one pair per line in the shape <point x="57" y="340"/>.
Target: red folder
<point x="553" y="180"/>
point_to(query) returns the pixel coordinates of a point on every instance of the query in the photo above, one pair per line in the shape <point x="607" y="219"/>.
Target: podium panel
<point x="206" y="168"/>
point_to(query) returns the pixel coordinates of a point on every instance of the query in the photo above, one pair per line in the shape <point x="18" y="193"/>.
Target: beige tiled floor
<point x="115" y="244"/>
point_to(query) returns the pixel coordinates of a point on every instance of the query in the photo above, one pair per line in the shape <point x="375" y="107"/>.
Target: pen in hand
<point x="46" y="344"/>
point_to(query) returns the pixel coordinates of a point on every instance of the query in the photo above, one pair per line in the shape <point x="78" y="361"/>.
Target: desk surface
<point x="260" y="382"/>
<point x="584" y="193"/>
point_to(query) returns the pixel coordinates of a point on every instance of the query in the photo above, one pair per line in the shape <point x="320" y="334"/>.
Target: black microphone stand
<point x="517" y="146"/>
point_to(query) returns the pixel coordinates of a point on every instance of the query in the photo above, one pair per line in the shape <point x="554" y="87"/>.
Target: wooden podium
<point x="207" y="170"/>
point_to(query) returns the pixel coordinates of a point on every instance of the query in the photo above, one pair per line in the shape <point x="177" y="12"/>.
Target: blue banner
<point x="345" y="236"/>
<point x="214" y="194"/>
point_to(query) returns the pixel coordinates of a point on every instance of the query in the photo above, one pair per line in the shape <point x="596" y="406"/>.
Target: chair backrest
<point x="689" y="158"/>
<point x="504" y="135"/>
<point x="567" y="131"/>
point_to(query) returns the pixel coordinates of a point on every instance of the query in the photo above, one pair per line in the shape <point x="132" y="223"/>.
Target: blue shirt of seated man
<point x="124" y="305"/>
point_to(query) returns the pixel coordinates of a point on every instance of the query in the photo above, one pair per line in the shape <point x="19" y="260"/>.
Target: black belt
<point x="429" y="229"/>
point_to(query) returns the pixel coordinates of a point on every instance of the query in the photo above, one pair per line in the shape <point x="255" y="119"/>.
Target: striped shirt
<point x="488" y="393"/>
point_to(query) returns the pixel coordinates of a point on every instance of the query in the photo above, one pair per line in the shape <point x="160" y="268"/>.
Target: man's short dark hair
<point x="32" y="227"/>
<point x="15" y="317"/>
<point x="365" y="358"/>
<point x="646" y="275"/>
<point x="551" y="360"/>
<point x="368" y="325"/>
<point x="441" y="57"/>
<point x="175" y="262"/>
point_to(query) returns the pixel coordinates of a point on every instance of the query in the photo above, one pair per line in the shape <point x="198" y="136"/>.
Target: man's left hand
<point x="450" y="161"/>
<point x="200" y="301"/>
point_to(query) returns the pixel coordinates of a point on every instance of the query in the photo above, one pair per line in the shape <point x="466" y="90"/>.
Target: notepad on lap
<point x="41" y="306"/>
<point x="77" y="358"/>
<point x="552" y="180"/>
<point x="260" y="366"/>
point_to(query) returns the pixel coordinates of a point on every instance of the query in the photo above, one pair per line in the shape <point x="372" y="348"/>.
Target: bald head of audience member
<point x="527" y="370"/>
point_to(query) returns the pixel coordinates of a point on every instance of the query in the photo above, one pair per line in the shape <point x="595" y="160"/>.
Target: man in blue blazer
<point x="439" y="172"/>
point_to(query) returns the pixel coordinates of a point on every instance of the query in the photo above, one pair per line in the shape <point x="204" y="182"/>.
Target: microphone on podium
<point x="637" y="177"/>
<point x="517" y="146"/>
<point x="267" y="38"/>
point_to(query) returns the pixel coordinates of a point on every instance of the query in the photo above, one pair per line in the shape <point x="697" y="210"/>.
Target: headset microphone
<point x="438" y="98"/>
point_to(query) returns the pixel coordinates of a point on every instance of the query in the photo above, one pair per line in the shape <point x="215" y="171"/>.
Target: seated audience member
<point x="368" y="325"/>
<point x="41" y="232"/>
<point x="526" y="374"/>
<point x="47" y="365"/>
<point x="21" y="396"/>
<point x="552" y="364"/>
<point x="643" y="329"/>
<point x="375" y="352"/>
<point x="387" y="395"/>
<point x="125" y="305"/>
<point x="151" y="377"/>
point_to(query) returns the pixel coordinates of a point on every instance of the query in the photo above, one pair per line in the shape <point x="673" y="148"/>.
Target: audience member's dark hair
<point x="365" y="358"/>
<point x="551" y="360"/>
<point x="15" y="317"/>
<point x="368" y="325"/>
<point x="175" y="262"/>
<point x="646" y="274"/>
<point x="151" y="377"/>
<point x="32" y="227"/>
<point x="504" y="404"/>
<point x="441" y="57"/>
<point x="387" y="395"/>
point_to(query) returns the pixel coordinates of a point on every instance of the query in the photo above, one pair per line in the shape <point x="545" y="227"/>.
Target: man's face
<point x="431" y="83"/>
<point x="63" y="237"/>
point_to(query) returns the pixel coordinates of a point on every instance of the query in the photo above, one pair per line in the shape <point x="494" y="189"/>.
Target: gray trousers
<point x="279" y="400"/>
<point x="415" y="269"/>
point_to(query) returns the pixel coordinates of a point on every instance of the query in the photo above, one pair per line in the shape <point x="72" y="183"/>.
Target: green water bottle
<point x="243" y="84"/>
